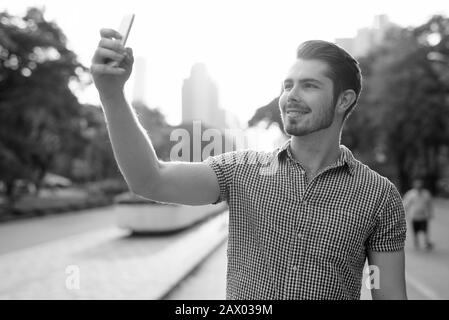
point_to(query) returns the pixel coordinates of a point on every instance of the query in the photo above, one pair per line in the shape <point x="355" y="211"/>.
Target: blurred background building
<point x="367" y="37"/>
<point x="200" y="99"/>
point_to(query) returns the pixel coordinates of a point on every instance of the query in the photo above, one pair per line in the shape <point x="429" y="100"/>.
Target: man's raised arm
<point x="176" y="182"/>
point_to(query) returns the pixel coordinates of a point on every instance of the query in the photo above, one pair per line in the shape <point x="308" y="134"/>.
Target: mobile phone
<point x="124" y="29"/>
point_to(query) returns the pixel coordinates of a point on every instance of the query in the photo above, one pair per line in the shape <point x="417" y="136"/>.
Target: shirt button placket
<point x="294" y="262"/>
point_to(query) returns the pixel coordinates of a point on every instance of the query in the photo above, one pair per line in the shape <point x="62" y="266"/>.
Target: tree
<point x="269" y="113"/>
<point x="408" y="101"/>
<point x="153" y="121"/>
<point x="40" y="116"/>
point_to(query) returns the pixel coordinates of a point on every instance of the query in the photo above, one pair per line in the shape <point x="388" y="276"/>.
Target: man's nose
<point x="294" y="95"/>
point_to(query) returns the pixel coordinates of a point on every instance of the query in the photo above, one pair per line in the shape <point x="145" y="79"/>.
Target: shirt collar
<point x="346" y="156"/>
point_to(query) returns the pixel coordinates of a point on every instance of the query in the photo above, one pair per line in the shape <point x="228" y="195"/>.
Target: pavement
<point x="85" y="256"/>
<point x="30" y="232"/>
<point x="427" y="272"/>
<point x="107" y="263"/>
<point x="207" y="281"/>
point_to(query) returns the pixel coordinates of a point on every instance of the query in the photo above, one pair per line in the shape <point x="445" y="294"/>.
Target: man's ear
<point x="345" y="100"/>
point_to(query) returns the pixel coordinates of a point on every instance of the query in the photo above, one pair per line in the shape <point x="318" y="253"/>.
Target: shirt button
<point x="295" y="268"/>
<point x="304" y="202"/>
<point x="300" y="235"/>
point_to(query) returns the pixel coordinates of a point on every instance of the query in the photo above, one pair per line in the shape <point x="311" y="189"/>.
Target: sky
<point x="246" y="45"/>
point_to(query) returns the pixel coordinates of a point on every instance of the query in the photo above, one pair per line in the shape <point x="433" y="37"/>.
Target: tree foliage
<point x="40" y="116"/>
<point x="269" y="113"/>
<point x="405" y="108"/>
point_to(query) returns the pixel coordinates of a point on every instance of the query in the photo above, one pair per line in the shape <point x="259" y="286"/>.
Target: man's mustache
<point x="301" y="107"/>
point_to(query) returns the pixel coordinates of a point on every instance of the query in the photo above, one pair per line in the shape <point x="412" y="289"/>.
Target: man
<point x="303" y="218"/>
<point x="419" y="208"/>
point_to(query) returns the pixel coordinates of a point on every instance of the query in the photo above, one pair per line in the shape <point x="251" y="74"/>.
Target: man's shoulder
<point x="380" y="189"/>
<point x="372" y="178"/>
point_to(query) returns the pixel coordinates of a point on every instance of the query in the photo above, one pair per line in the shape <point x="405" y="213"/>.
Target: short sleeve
<point x="224" y="165"/>
<point x="390" y="231"/>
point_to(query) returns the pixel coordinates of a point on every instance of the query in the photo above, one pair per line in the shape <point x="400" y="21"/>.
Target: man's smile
<point x="295" y="114"/>
<point x="296" y="111"/>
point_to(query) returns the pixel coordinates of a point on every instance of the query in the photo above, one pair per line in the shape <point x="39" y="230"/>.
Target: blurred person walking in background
<point x="419" y="209"/>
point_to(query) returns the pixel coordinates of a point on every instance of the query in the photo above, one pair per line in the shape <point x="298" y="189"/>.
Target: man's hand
<point x="108" y="79"/>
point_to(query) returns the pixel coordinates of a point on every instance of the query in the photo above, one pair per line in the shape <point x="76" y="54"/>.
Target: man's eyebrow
<point x="289" y="80"/>
<point x="310" y="80"/>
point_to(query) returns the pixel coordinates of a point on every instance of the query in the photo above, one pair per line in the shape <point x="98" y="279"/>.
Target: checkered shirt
<point x="293" y="239"/>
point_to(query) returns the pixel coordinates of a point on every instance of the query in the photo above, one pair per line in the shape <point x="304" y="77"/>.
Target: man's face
<point x="307" y="102"/>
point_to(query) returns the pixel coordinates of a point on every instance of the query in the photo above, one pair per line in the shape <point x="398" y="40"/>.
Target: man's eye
<point x="309" y="85"/>
<point x="287" y="86"/>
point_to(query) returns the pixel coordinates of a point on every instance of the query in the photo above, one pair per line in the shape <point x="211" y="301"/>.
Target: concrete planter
<point x="155" y="217"/>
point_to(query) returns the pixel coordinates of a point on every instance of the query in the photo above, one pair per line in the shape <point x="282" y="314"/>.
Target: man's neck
<point x="316" y="151"/>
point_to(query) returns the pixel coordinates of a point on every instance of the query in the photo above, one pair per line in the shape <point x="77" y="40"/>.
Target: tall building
<point x="366" y="38"/>
<point x="200" y="100"/>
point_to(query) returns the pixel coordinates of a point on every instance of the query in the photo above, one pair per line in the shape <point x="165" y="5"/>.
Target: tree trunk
<point x="10" y="194"/>
<point x="432" y="170"/>
<point x="39" y="180"/>
<point x="403" y="173"/>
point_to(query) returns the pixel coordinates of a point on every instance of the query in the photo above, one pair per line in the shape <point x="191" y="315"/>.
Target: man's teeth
<point x="295" y="113"/>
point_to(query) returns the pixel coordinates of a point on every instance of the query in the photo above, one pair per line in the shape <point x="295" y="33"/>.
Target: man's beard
<point x="309" y="122"/>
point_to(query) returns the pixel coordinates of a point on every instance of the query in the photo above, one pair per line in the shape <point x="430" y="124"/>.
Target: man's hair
<point x="344" y="70"/>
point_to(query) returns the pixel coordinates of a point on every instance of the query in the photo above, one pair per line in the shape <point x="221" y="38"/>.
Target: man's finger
<point x="102" y="54"/>
<point x="129" y="57"/>
<point x="110" y="34"/>
<point x="104" y="69"/>
<point x="115" y="45"/>
<point x="110" y="54"/>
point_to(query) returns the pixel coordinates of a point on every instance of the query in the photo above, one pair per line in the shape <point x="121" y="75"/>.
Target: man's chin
<point x="294" y="131"/>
